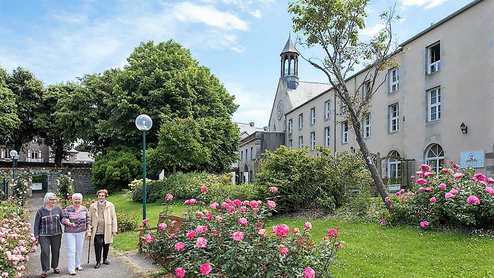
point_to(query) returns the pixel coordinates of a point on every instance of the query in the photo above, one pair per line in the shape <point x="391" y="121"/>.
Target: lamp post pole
<point x="144" y="191"/>
<point x="14" y="155"/>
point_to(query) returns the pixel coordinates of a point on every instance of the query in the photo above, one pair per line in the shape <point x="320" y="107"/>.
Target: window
<point x="241" y="155"/>
<point x="394" y="80"/>
<point x="434" y="104"/>
<point x="344" y="132"/>
<point x="366" y="90"/>
<point x="290" y="143"/>
<point x="434" y="156"/>
<point x="251" y="153"/>
<point x="290" y="125"/>
<point x="327" y="109"/>
<point x="246" y="153"/>
<point x="3" y="153"/>
<point x="366" y="126"/>
<point x="393" y="167"/>
<point x="394" y="115"/>
<point x="313" y="116"/>
<point x="312" y="140"/>
<point x="34" y="156"/>
<point x="300" y="141"/>
<point x="300" y="121"/>
<point x="327" y="138"/>
<point x="433" y="58"/>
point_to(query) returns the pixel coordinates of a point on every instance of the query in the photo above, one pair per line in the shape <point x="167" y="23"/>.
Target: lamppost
<point x="144" y="123"/>
<point x="15" y="156"/>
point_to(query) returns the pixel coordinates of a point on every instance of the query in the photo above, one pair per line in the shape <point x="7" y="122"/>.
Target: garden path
<point x="119" y="266"/>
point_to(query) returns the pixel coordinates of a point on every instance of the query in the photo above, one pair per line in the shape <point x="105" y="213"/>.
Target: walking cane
<point x="89" y="249"/>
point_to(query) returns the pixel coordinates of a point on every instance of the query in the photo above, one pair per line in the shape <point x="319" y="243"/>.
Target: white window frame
<point x="290" y="126"/>
<point x="327" y="136"/>
<point x="327" y="109"/>
<point x="301" y="121"/>
<point x="394" y="79"/>
<point x="394" y="117"/>
<point x="290" y="143"/>
<point x="436" y="106"/>
<point x="436" y="159"/>
<point x="344" y="132"/>
<point x="312" y="116"/>
<point x="433" y="67"/>
<point x="312" y="140"/>
<point x="251" y="153"/>
<point x="3" y="153"/>
<point x="366" y="125"/>
<point x="301" y="141"/>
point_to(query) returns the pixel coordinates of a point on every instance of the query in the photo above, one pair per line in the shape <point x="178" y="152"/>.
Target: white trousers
<point x="74" y="243"/>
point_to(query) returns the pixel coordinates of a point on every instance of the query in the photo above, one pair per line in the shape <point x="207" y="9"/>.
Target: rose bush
<point x="451" y="197"/>
<point x="16" y="240"/>
<point x="230" y="239"/>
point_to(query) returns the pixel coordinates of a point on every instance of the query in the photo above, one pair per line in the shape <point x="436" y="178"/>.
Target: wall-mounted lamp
<point x="464" y="128"/>
<point x="352" y="149"/>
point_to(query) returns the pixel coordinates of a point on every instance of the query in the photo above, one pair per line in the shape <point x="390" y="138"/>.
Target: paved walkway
<point x="120" y="265"/>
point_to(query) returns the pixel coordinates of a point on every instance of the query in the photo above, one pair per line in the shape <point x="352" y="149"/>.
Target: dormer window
<point x="433" y="58"/>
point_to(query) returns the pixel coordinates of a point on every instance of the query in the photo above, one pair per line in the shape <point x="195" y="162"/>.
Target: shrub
<point x="448" y="198"/>
<point x="16" y="240"/>
<point x="65" y="188"/>
<point x="115" y="169"/>
<point x="19" y="189"/>
<point x="126" y="222"/>
<point x="231" y="240"/>
<point x="307" y="182"/>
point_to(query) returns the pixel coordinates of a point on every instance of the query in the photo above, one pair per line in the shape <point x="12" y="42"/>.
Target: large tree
<point x="9" y="121"/>
<point x="28" y="91"/>
<point x="334" y="26"/>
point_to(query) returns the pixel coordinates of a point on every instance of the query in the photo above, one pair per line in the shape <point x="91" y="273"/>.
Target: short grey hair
<point x="47" y="197"/>
<point x="77" y="195"/>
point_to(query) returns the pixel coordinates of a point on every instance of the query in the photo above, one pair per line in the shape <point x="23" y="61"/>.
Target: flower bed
<point x="449" y="198"/>
<point x="230" y="239"/>
<point x="16" y="241"/>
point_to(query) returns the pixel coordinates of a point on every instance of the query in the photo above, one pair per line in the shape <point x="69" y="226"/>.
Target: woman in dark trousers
<point x="48" y="233"/>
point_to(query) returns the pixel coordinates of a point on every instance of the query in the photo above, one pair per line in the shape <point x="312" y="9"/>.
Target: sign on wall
<point x="474" y="159"/>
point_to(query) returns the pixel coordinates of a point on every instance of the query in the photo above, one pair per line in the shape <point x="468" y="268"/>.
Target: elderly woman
<point x="48" y="233"/>
<point x="103" y="226"/>
<point x="75" y="219"/>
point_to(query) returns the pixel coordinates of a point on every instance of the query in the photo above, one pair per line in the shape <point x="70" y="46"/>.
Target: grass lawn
<point x="371" y="250"/>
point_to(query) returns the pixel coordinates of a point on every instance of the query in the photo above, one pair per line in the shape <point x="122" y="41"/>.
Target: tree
<point x="9" y="121"/>
<point x="115" y="169"/>
<point x="334" y="26"/>
<point x="28" y="92"/>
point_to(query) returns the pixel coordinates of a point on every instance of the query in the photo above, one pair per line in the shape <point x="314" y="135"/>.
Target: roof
<point x="247" y="129"/>
<point x="289" y="46"/>
<point x="305" y="91"/>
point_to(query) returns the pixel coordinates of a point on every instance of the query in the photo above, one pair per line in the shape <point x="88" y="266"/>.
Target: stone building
<point x="435" y="106"/>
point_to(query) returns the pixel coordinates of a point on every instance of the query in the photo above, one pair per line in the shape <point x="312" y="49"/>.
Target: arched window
<point x="434" y="157"/>
<point x="285" y="66"/>
<point x="393" y="166"/>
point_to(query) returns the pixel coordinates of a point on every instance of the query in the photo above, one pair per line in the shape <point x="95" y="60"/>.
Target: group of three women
<point x="98" y="223"/>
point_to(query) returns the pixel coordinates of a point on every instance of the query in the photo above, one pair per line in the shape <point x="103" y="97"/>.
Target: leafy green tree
<point x="115" y="169"/>
<point x="28" y="92"/>
<point x="9" y="121"/>
<point x="334" y="26"/>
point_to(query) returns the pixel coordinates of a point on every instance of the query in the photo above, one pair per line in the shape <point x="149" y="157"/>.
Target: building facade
<point x="435" y="106"/>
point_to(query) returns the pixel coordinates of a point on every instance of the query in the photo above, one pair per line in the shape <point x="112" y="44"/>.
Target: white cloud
<point x="256" y="13"/>
<point x="253" y="106"/>
<point x="209" y="15"/>
<point x="372" y="30"/>
<point x="427" y="4"/>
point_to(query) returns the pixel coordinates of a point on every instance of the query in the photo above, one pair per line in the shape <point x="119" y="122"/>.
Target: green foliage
<point x="9" y="120"/>
<point x="115" y="169"/>
<point x="19" y="189"/>
<point x="126" y="222"/>
<point x="307" y="182"/>
<point x="65" y="189"/>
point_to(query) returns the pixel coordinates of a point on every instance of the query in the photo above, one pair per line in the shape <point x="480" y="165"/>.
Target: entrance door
<point x="40" y="183"/>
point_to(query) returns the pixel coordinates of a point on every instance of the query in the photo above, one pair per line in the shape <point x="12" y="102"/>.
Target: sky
<point x="239" y="40"/>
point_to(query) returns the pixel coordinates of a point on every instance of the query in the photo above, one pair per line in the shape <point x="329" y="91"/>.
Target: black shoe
<point x="97" y="265"/>
<point x="107" y="262"/>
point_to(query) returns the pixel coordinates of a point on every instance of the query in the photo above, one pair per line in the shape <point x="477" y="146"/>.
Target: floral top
<point x="80" y="218"/>
<point x="47" y="222"/>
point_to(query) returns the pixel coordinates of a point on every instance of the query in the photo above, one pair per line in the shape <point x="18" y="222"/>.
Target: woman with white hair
<point x="48" y="233"/>
<point x="76" y="220"/>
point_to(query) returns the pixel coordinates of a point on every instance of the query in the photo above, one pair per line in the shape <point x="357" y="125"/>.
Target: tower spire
<point x="289" y="63"/>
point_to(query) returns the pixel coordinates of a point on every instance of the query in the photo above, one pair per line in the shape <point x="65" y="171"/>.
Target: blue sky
<point x="239" y="40"/>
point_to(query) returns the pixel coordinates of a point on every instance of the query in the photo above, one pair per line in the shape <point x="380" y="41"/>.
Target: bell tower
<point x="289" y="64"/>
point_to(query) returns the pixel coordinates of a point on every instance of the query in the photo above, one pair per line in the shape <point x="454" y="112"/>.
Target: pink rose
<point x="201" y="242"/>
<point x="421" y="181"/>
<point x="479" y="177"/>
<point x="273" y="189"/>
<point x="161" y="227"/>
<point x="238" y="236"/>
<point x="237" y="203"/>
<point x="458" y="175"/>
<point x="332" y="232"/>
<point x="190" y="234"/>
<point x="309" y="272"/>
<point x="424" y="224"/>
<point x="433" y="200"/>
<point x="307" y="226"/>
<point x="201" y="229"/>
<point x="254" y="204"/>
<point x="283" y="250"/>
<point x="214" y="205"/>
<point x="454" y="191"/>
<point x="271" y="204"/>
<point x="489" y="190"/>
<point x="449" y="195"/>
<point x="243" y="221"/>
<point x="442" y="186"/>
<point x="190" y="202"/>
<point x="281" y="230"/>
<point x="204" y="189"/>
<point x="398" y="193"/>
<point x="148" y="238"/>
<point x="179" y="246"/>
<point x="168" y="197"/>
<point x="473" y="200"/>
<point x="425" y="168"/>
<point x="261" y="232"/>
<point x="180" y="272"/>
<point x="428" y="174"/>
<point x="490" y="180"/>
<point x="205" y="269"/>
